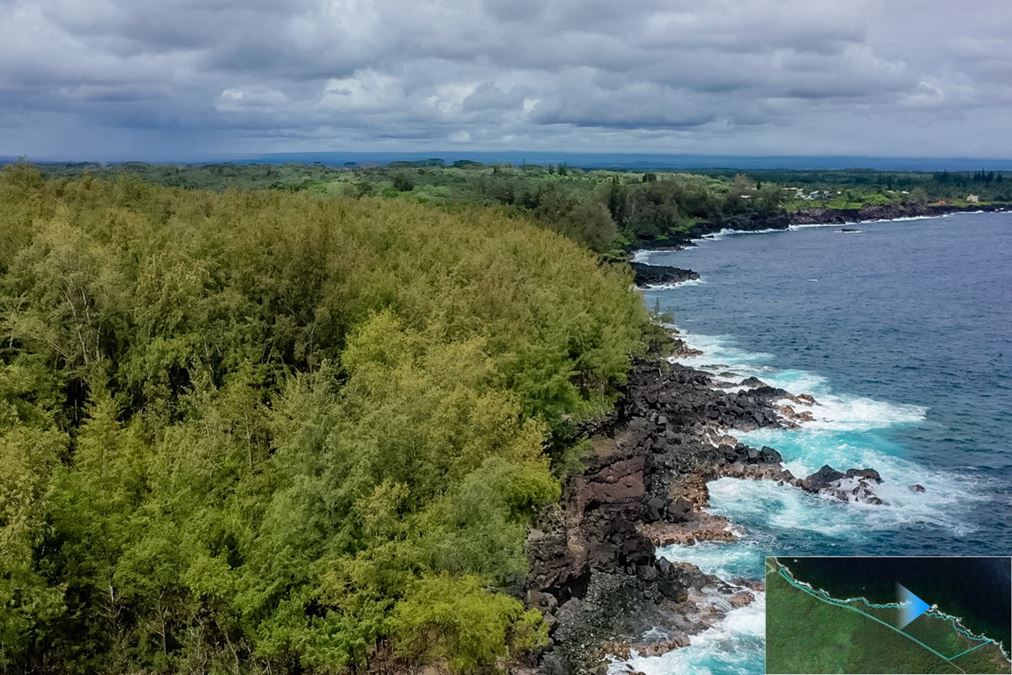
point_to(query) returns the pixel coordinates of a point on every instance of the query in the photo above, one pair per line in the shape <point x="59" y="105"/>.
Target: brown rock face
<point x="701" y="527"/>
<point x="616" y="483"/>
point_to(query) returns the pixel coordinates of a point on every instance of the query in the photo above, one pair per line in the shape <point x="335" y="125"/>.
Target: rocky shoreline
<point x="782" y="220"/>
<point x="594" y="569"/>
<point x="658" y="275"/>
<point x="595" y="573"/>
<point x="816" y="216"/>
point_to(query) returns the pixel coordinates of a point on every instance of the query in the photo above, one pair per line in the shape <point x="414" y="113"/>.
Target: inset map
<point x="888" y="615"/>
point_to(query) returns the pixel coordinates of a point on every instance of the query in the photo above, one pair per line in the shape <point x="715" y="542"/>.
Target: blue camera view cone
<point x="911" y="606"/>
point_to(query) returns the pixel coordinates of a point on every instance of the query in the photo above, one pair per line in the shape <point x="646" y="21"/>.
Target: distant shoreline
<point x="783" y="221"/>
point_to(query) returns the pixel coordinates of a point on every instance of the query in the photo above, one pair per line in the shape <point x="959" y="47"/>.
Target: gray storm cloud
<point x="170" y="79"/>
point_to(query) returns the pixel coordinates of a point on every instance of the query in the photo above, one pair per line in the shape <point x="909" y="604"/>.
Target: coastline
<point x="645" y="487"/>
<point x="596" y="570"/>
<point x="812" y="217"/>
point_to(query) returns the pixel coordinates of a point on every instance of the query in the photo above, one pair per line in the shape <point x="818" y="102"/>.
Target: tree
<point x="457" y="622"/>
<point x="918" y="196"/>
<point x="615" y="199"/>
<point x="403" y="181"/>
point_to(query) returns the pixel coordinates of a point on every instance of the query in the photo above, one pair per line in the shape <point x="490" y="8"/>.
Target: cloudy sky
<point x="198" y="78"/>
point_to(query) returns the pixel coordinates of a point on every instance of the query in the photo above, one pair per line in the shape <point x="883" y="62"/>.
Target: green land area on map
<point x="809" y="631"/>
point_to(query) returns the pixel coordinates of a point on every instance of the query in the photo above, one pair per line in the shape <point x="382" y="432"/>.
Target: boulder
<point x="855" y="485"/>
<point x="821" y="479"/>
<point x="867" y="474"/>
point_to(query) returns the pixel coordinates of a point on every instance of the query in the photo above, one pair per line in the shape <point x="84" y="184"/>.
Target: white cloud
<point x="239" y="98"/>
<point x="365" y="91"/>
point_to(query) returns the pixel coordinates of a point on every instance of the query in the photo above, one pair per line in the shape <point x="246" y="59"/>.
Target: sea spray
<point x="842" y="434"/>
<point x="734" y="646"/>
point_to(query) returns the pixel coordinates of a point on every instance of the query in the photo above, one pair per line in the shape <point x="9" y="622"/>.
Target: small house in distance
<point x="973" y="199"/>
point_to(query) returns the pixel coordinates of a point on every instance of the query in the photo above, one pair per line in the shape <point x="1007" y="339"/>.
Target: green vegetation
<point x="859" y="188"/>
<point x="606" y="210"/>
<point x="601" y="209"/>
<point x="807" y="631"/>
<point x="266" y="431"/>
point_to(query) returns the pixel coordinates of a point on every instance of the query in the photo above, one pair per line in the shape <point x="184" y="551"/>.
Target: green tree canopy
<point x="280" y="431"/>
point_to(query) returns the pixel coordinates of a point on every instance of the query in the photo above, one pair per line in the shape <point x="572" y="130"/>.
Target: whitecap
<point x="721" y="356"/>
<point x="738" y="559"/>
<point x="732" y="646"/>
<point x="728" y="232"/>
<point x="643" y="255"/>
<point x="673" y="285"/>
<point x="766" y="507"/>
<point x="859" y="413"/>
<point x="902" y="219"/>
<point x="719" y="353"/>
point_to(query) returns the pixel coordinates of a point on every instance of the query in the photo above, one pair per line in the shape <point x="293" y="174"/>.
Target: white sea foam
<point x="796" y="381"/>
<point x="808" y="226"/>
<point x="676" y="284"/>
<point x="727" y="232"/>
<point x="719" y="354"/>
<point x="856" y="413"/>
<point x="842" y="435"/>
<point x="834" y="411"/>
<point x="901" y="219"/>
<point x="735" y="645"/>
<point x="764" y="507"/>
<point x="643" y="255"/>
<point x="812" y="226"/>
<point x="738" y="559"/>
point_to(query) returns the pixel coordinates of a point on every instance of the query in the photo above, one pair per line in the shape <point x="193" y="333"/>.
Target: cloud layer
<point x="198" y="78"/>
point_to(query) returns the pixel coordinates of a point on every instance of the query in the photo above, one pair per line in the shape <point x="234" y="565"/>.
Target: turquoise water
<point x="903" y="333"/>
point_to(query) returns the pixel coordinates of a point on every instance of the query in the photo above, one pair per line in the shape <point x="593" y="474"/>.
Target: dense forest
<point x="277" y="431"/>
<point x="604" y="210"/>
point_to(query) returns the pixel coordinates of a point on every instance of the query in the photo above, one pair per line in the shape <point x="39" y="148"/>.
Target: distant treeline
<point x="601" y="209"/>
<point x="606" y="210"/>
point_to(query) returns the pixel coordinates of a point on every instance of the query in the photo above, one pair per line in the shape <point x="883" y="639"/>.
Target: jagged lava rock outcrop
<point x="650" y="275"/>
<point x="593" y="566"/>
<point x="851" y="485"/>
<point x="594" y="570"/>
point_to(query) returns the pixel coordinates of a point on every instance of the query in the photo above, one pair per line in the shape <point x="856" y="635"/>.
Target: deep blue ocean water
<point x="903" y="333"/>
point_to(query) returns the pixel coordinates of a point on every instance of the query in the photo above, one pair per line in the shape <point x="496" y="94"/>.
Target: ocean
<point x="903" y="332"/>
